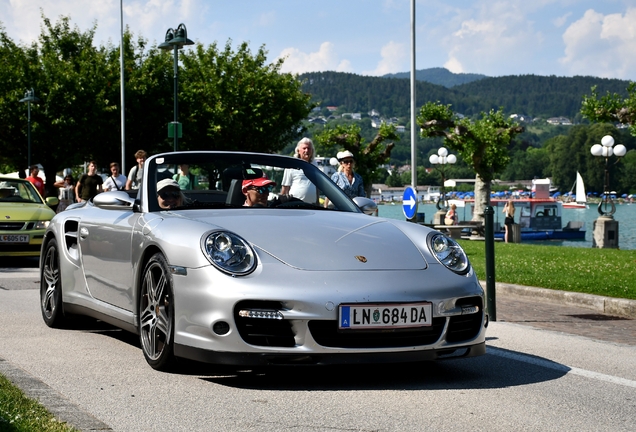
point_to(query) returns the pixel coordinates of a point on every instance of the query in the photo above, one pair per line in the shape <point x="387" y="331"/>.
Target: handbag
<point x="449" y="221"/>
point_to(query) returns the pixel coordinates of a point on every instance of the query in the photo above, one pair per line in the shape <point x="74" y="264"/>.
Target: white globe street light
<point x="441" y="159"/>
<point x="607" y="149"/>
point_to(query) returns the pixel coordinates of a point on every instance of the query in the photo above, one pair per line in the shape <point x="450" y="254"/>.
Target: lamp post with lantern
<point x="29" y="96"/>
<point x="175" y="40"/>
<point x="440" y="160"/>
<point x="605" y="227"/>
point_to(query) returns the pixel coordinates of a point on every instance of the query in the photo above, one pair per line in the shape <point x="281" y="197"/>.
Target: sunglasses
<point x="168" y="195"/>
<point x="347" y="161"/>
<point x="263" y="189"/>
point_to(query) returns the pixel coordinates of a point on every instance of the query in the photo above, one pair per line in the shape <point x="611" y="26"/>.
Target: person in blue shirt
<point x="346" y="178"/>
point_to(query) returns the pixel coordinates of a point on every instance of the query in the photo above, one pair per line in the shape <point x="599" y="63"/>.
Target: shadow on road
<point x="485" y="372"/>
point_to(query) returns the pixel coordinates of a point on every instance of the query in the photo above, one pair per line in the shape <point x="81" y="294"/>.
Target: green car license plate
<point x="384" y="315"/>
<point x="14" y="238"/>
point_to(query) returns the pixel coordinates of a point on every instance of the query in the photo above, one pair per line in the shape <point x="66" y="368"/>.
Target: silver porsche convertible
<point x="219" y="266"/>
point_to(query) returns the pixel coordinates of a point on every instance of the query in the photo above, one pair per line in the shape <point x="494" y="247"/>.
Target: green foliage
<point x="236" y="101"/>
<point x="368" y="156"/>
<point x="606" y="272"/>
<point x="611" y="107"/>
<point x="228" y="99"/>
<point x="482" y="144"/>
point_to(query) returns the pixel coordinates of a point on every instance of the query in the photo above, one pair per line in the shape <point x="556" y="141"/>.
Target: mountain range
<point x="468" y="94"/>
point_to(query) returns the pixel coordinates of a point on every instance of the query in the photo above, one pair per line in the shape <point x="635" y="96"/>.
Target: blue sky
<point x="373" y="37"/>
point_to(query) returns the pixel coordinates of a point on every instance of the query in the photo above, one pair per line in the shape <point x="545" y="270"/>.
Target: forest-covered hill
<point x="439" y="76"/>
<point x="531" y="95"/>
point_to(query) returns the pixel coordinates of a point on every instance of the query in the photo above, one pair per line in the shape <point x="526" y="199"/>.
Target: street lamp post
<point x="175" y="40"/>
<point x="29" y="96"/>
<point x="441" y="159"/>
<point x="605" y="227"/>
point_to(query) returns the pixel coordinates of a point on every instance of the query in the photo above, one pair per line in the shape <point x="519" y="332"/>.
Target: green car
<point x="24" y="216"/>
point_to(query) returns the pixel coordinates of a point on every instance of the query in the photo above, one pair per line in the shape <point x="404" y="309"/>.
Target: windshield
<point x="18" y="191"/>
<point x="194" y="180"/>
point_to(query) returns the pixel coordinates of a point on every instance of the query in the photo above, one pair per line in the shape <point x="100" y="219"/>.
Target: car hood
<point x="322" y="240"/>
<point x="16" y="211"/>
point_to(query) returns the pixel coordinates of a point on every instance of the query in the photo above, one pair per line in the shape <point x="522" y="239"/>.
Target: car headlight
<point x="42" y="224"/>
<point x="229" y="253"/>
<point x="449" y="253"/>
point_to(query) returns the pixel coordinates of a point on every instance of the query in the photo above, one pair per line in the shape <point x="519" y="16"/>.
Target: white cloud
<point x="393" y="55"/>
<point x="480" y="39"/>
<point x="325" y="59"/>
<point x="454" y="65"/>
<point x="601" y="45"/>
<point x="560" y="21"/>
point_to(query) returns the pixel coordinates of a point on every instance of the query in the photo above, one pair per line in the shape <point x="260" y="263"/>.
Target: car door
<point x="105" y="240"/>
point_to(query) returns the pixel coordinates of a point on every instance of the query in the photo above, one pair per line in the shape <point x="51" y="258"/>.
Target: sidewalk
<point x="601" y="318"/>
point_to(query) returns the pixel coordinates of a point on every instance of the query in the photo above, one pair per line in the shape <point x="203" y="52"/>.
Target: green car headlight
<point x="42" y="224"/>
<point x="229" y="253"/>
<point x="449" y="253"/>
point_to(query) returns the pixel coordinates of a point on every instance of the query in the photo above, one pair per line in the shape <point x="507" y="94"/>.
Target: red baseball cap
<point x="257" y="182"/>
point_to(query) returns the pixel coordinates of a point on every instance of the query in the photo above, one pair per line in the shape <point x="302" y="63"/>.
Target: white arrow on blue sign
<point x="409" y="203"/>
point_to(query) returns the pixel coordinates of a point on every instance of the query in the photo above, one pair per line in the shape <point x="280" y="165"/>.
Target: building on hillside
<point x="559" y="121"/>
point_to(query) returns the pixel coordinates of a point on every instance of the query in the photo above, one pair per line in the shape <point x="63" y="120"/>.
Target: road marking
<point x="526" y="358"/>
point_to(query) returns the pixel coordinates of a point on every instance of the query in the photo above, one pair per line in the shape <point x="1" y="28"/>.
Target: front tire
<point x="156" y="314"/>
<point x="51" y="287"/>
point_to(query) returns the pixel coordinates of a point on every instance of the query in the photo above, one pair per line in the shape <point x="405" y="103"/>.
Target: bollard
<point x="490" y="263"/>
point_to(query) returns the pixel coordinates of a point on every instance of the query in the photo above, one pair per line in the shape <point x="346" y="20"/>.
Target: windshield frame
<point x="154" y="166"/>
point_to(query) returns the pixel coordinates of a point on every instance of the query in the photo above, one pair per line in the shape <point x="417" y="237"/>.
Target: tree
<point x="228" y="100"/>
<point x="368" y="156"/>
<point x="237" y="101"/>
<point x="482" y="144"/>
<point x="613" y="108"/>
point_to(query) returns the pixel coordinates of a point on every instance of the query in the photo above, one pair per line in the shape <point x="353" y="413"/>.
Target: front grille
<point x="326" y="333"/>
<point x="263" y="332"/>
<point x="465" y="327"/>
<point x="11" y="226"/>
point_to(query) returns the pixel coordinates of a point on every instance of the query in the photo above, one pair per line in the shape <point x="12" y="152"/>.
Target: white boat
<point x="580" y="197"/>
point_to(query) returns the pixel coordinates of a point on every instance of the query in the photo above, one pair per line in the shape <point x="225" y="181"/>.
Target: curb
<point x="61" y="408"/>
<point x="606" y="305"/>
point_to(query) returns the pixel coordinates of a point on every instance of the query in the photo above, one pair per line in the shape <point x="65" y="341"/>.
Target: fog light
<point x="467" y="310"/>
<point x="261" y="313"/>
<point x="221" y="328"/>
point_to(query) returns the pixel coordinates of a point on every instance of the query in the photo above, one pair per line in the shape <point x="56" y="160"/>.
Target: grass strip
<point x="19" y="413"/>
<point x="605" y="272"/>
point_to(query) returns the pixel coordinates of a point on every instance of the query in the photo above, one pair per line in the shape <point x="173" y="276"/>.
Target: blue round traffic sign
<point x="409" y="202"/>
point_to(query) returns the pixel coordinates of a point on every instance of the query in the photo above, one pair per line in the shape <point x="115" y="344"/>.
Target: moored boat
<point x="541" y="217"/>
<point x="580" y="197"/>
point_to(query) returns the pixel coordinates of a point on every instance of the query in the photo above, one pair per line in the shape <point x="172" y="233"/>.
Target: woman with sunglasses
<point x="346" y="178"/>
<point x="169" y="195"/>
<point x="67" y="192"/>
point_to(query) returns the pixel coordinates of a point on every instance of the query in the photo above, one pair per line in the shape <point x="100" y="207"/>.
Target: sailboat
<point x="580" y="198"/>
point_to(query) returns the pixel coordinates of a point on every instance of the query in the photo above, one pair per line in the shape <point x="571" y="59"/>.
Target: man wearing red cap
<point x="257" y="191"/>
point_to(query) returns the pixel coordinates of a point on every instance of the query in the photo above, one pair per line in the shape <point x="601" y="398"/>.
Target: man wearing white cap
<point x="169" y="195"/>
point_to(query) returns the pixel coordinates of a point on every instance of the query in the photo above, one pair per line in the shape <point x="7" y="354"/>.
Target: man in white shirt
<point x="116" y="181"/>
<point x="295" y="183"/>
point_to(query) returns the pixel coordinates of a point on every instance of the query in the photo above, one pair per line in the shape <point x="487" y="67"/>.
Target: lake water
<point x="625" y="215"/>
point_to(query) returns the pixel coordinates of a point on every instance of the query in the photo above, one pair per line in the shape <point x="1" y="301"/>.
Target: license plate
<point x="12" y="238"/>
<point x="384" y="315"/>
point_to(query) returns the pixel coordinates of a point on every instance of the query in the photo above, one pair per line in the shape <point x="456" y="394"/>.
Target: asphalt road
<point x="537" y="375"/>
